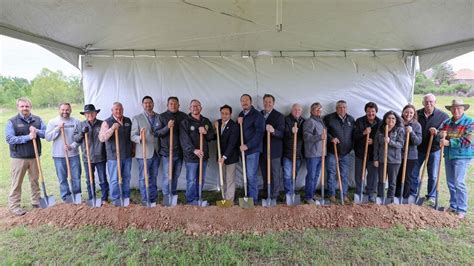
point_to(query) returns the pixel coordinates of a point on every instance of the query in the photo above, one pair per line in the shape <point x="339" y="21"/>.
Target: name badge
<point x="127" y="124"/>
<point x="20" y="125"/>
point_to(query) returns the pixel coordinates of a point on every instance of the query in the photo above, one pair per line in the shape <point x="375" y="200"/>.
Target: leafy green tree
<point x="443" y="73"/>
<point x="12" y="89"/>
<point x="51" y="88"/>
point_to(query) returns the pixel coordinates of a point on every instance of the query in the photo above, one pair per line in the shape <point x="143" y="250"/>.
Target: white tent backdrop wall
<point x="215" y="81"/>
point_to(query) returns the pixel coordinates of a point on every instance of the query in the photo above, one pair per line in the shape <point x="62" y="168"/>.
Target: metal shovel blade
<point x="149" y="204"/>
<point x="77" y="198"/>
<point x="170" y="200"/>
<point x="246" y="203"/>
<point x="380" y="201"/>
<point x="411" y="199"/>
<point x="224" y="203"/>
<point x="200" y="203"/>
<point x="420" y="201"/>
<point x="268" y="202"/>
<point x="47" y="201"/>
<point x="360" y="200"/>
<point x="94" y="203"/>
<point x="68" y="199"/>
<point x="293" y="199"/>
<point x="122" y="202"/>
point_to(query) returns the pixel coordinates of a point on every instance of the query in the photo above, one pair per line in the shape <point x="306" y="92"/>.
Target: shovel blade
<point x="420" y="201"/>
<point x="77" y="198"/>
<point x="224" y="203"/>
<point x="47" y="201"/>
<point x="293" y="199"/>
<point x="411" y="199"/>
<point x="361" y="200"/>
<point x="170" y="200"/>
<point x="200" y="203"/>
<point x="69" y="199"/>
<point x="380" y="201"/>
<point x="94" y="203"/>
<point x="269" y="202"/>
<point x="246" y="203"/>
<point x="122" y="202"/>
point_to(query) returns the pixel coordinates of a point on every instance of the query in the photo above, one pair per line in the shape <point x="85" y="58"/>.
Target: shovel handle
<point x="88" y="156"/>
<point x="66" y="153"/>
<point x="441" y="145"/>
<point x="338" y="171"/>
<point x="201" y="144"/>
<point x="427" y="157"/>
<point x="323" y="160"/>
<point x="145" y="163"/>
<point x="385" y="156"/>
<point x="244" y="168"/>
<point x="117" y="153"/>
<point x="170" y="158"/>
<point x="364" y="162"/>
<point x="268" y="158"/>
<point x="38" y="162"/>
<point x="405" y="158"/>
<point x="295" y="141"/>
<point x="219" y="155"/>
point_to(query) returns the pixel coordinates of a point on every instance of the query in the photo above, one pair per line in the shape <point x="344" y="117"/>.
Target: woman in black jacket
<point x="395" y="141"/>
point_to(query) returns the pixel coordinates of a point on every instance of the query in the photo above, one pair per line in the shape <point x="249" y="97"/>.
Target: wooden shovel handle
<point x="295" y="141"/>
<point x="323" y="159"/>
<point x="385" y="156"/>
<point x="66" y="153"/>
<point x="88" y="156"/>
<point x="201" y="144"/>
<point x="117" y="153"/>
<point x="219" y="155"/>
<point x="364" y="162"/>
<point x="244" y="168"/>
<point x="427" y="157"/>
<point x="38" y="162"/>
<point x="338" y="170"/>
<point x="268" y="158"/>
<point x="170" y="158"/>
<point x="441" y="145"/>
<point x="405" y="158"/>
<point x="145" y="163"/>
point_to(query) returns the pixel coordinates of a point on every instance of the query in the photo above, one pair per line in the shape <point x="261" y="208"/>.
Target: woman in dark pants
<point x="411" y="124"/>
<point x="395" y="140"/>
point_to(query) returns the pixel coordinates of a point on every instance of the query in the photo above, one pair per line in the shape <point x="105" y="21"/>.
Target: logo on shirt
<point x="192" y="128"/>
<point x="20" y="125"/>
<point x="206" y="127"/>
<point x="127" y="124"/>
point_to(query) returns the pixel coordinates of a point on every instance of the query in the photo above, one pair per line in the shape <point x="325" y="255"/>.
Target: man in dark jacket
<point x="189" y="133"/>
<point x="172" y="118"/>
<point x="253" y="124"/>
<point x="430" y="119"/>
<point x="91" y="126"/>
<point x="275" y="124"/>
<point x="366" y="125"/>
<point x="107" y="134"/>
<point x="340" y="126"/>
<point x="289" y="133"/>
<point x="229" y="142"/>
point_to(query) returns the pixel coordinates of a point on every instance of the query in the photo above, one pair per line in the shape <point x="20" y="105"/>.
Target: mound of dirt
<point x="215" y="221"/>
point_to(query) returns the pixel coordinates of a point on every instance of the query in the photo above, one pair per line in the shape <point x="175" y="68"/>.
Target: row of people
<point x="343" y="132"/>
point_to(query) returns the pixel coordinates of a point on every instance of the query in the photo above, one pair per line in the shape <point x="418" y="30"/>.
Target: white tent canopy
<point x="300" y="51"/>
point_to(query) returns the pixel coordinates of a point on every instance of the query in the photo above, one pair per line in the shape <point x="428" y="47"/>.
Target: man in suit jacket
<point x="229" y="141"/>
<point x="275" y="124"/>
<point x="253" y="125"/>
<point x="147" y="120"/>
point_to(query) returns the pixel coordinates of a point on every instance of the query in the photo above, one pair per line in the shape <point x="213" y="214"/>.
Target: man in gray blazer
<point x="147" y="120"/>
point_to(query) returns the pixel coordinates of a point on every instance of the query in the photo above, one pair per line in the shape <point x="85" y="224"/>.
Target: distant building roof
<point x="464" y="74"/>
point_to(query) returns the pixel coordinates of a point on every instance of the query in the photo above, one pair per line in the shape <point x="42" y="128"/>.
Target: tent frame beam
<point x="444" y="47"/>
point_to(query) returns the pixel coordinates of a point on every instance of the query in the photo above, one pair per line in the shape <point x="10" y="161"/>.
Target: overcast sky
<point x="24" y="59"/>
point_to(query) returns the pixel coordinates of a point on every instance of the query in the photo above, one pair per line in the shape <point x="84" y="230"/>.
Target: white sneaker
<point x="461" y="216"/>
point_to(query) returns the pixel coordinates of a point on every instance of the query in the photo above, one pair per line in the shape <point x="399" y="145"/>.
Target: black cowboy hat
<point x="88" y="108"/>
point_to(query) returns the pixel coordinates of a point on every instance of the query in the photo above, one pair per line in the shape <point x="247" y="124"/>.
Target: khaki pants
<point x="19" y="167"/>
<point x="229" y="180"/>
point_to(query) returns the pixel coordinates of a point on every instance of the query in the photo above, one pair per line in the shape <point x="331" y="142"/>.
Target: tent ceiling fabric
<point x="244" y="25"/>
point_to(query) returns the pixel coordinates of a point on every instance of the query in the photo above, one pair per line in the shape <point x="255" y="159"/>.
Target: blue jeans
<point x="251" y="162"/>
<point x="432" y="169"/>
<point x="344" y="164"/>
<point x="192" y="180"/>
<point x="126" y="165"/>
<point x="152" y="164"/>
<point x="177" y="165"/>
<point x="456" y="170"/>
<point x="313" y="168"/>
<point x="104" y="185"/>
<point x="61" y="172"/>
<point x="287" y="173"/>
<point x="372" y="176"/>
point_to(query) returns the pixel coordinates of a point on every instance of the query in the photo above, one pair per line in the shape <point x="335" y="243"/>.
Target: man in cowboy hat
<point x="430" y="118"/>
<point x="457" y="137"/>
<point x="98" y="157"/>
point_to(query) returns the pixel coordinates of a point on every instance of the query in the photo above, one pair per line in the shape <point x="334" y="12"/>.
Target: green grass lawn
<point x="48" y="245"/>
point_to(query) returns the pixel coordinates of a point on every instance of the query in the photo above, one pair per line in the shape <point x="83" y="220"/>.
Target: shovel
<point x="170" y="200"/>
<point x="245" y="202"/>
<point x="361" y="198"/>
<point x="74" y="197"/>
<point x="95" y="202"/>
<point x="381" y="201"/>
<point x="268" y="202"/>
<point x="417" y="200"/>
<point x="200" y="202"/>
<point x="223" y="202"/>
<point x="404" y="170"/>
<point x="122" y="202"/>
<point x="323" y="170"/>
<point x="291" y="198"/>
<point x="46" y="201"/>
<point x="436" y="206"/>
<point x="149" y="204"/>
<point x="338" y="172"/>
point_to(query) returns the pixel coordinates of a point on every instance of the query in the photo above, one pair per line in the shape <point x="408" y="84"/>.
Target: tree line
<point x="48" y="88"/>
<point x="439" y="82"/>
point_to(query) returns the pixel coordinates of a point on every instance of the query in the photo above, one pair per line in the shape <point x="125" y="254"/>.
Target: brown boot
<point x="347" y="200"/>
<point x="333" y="199"/>
<point x="18" y="211"/>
